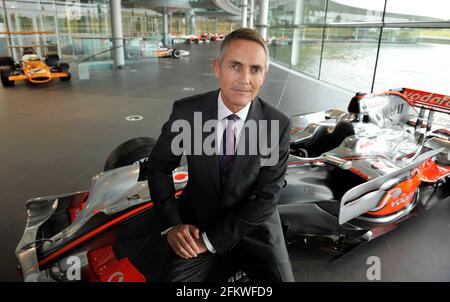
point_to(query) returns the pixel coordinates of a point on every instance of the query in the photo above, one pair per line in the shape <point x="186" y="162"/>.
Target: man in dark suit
<point x="229" y="205"/>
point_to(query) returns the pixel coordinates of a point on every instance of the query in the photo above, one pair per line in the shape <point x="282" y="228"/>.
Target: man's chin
<point x="242" y="99"/>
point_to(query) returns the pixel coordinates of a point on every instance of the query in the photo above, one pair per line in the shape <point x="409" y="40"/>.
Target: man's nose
<point x="245" y="77"/>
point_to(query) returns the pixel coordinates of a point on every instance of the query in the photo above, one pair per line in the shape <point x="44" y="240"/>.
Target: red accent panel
<point x="295" y="130"/>
<point x="398" y="197"/>
<point x="180" y="176"/>
<point x="73" y="212"/>
<point x="92" y="233"/>
<point x="432" y="172"/>
<point x="96" y="231"/>
<point x="438" y="102"/>
<point x="110" y="269"/>
<point x="359" y="173"/>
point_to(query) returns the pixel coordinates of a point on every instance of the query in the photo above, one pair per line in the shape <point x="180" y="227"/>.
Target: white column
<point x="19" y="37"/>
<point x="117" y="34"/>
<point x="58" y="40"/>
<point x="251" y="13"/>
<point x="169" y="32"/>
<point x="106" y="23"/>
<point x="193" y="25"/>
<point x="165" y="28"/>
<point x="296" y="39"/>
<point x="7" y="22"/>
<point x="40" y="37"/>
<point x="244" y="13"/>
<point x="263" y="18"/>
<point x="38" y="49"/>
<point x="187" y="17"/>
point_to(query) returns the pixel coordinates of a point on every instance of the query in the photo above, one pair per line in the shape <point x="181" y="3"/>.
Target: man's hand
<point x="201" y="245"/>
<point x="185" y="240"/>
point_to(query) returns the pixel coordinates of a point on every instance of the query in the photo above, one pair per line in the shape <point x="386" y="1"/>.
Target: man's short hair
<point x="244" y="34"/>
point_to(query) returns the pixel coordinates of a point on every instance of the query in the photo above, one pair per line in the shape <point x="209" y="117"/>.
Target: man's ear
<point x="216" y="67"/>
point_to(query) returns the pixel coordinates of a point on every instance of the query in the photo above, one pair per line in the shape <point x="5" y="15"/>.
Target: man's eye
<point x="256" y="70"/>
<point x="234" y="67"/>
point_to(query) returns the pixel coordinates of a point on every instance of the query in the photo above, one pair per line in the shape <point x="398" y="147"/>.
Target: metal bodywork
<point x="388" y="170"/>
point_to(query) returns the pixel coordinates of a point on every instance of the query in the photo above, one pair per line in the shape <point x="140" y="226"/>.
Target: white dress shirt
<point x="222" y="113"/>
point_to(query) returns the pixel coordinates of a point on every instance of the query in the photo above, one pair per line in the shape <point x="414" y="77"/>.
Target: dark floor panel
<point x="55" y="137"/>
<point x="423" y="239"/>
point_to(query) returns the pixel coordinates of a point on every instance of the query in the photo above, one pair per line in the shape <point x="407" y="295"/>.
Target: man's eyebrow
<point x="236" y="62"/>
<point x="258" y="66"/>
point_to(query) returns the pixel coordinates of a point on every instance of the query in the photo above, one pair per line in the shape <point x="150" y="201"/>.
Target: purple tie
<point x="226" y="160"/>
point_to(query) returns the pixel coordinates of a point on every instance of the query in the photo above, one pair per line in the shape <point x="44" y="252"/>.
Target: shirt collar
<point x="223" y="111"/>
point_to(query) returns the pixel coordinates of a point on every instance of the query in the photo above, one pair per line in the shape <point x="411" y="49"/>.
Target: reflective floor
<point x="55" y="137"/>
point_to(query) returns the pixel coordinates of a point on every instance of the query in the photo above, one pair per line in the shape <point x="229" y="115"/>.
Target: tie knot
<point x="233" y="117"/>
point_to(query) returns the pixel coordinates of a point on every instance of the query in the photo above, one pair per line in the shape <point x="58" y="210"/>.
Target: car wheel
<point x="64" y="67"/>
<point x="133" y="151"/>
<point x="176" y="53"/>
<point x="5" y="81"/>
<point x="52" y="60"/>
<point x="196" y="41"/>
<point x="65" y="79"/>
<point x="6" y="61"/>
<point x="132" y="54"/>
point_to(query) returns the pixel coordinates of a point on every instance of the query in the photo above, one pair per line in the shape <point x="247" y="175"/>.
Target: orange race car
<point x="33" y="69"/>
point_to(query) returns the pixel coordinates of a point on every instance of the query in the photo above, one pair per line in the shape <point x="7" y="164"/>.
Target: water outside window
<point x="414" y="42"/>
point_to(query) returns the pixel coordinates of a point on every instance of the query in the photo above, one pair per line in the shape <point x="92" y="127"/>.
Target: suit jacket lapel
<point x="255" y="113"/>
<point x="212" y="161"/>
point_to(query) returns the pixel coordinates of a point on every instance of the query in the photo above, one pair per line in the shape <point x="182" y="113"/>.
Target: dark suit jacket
<point x="243" y="210"/>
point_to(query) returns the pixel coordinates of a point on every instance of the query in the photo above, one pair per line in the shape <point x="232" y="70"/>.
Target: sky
<point x="430" y="8"/>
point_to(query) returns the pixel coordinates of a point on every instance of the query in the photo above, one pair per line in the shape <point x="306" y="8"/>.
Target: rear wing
<point x="427" y="100"/>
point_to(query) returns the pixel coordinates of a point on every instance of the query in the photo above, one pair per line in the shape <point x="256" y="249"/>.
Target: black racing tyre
<point x="196" y="41"/>
<point x="5" y="81"/>
<point x="64" y="67"/>
<point x="6" y="61"/>
<point x="132" y="151"/>
<point x="52" y="60"/>
<point x="176" y="53"/>
<point x="188" y="41"/>
<point x="65" y="79"/>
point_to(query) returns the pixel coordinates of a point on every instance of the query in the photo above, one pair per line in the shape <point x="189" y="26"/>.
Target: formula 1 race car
<point x="140" y="48"/>
<point x="351" y="177"/>
<point x="164" y="52"/>
<point x="34" y="69"/>
<point x="202" y="38"/>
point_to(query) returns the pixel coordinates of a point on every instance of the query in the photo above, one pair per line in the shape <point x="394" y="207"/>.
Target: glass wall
<point x="78" y="29"/>
<point x="71" y="29"/>
<point x="364" y="45"/>
<point x="4" y="51"/>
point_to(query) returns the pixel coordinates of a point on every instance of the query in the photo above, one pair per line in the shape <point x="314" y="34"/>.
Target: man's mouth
<point x="241" y="90"/>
